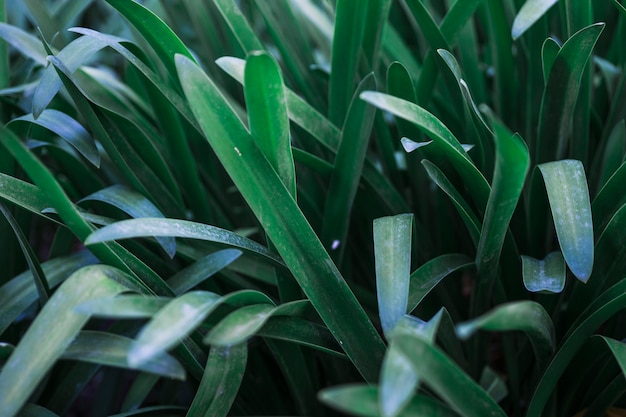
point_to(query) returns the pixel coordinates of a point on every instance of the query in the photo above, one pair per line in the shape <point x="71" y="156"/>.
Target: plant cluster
<point x="312" y="207"/>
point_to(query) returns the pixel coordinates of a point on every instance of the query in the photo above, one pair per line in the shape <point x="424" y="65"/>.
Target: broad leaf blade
<point x="392" y="251"/>
<point x="569" y="201"/>
<point x="240" y="325"/>
<point x="545" y="275"/>
<point x="531" y="11"/>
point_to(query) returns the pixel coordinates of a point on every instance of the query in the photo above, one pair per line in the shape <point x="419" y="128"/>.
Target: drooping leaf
<point x="57" y="324"/>
<point x="531" y="11"/>
<point x="527" y="316"/>
<point x="571" y="210"/>
<point x="189" y="277"/>
<point x="544" y="275"/>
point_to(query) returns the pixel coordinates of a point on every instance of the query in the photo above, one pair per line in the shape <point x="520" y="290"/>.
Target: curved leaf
<point x="546" y="275"/>
<point x="57" y="324"/>
<point x="531" y="11"/>
<point x="527" y="316"/>
<point x="202" y="269"/>
<point x="566" y="185"/>
<point x="123" y="306"/>
<point x="239" y="325"/>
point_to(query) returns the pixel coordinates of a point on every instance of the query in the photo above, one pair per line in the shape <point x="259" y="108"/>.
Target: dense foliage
<point x="308" y="207"/>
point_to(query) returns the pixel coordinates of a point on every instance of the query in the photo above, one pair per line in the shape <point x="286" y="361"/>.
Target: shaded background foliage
<point x="306" y="207"/>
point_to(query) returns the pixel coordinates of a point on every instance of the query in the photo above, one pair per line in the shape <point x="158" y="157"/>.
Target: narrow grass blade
<point x="20" y="292"/>
<point x="549" y="51"/>
<point x="398" y="382"/>
<point x="39" y="276"/>
<point x="73" y="56"/>
<point x="527" y="316"/>
<point x="220" y="383"/>
<point x="23" y="42"/>
<point x="559" y="98"/>
<point x="531" y="11"/>
<point x="239" y="326"/>
<point x="546" y="275"/>
<point x="202" y="269"/>
<point x="123" y="306"/>
<point x="569" y="201"/>
<point x="144" y="227"/>
<point x="239" y="25"/>
<point x="392" y="252"/>
<point x="302" y="332"/>
<point x="68" y="129"/>
<point x="57" y="324"/>
<point x="441" y="136"/>
<point x="427" y="276"/>
<point x="283" y="221"/>
<point x="160" y="37"/>
<point x="347" y="171"/>
<point x="112" y="350"/>
<point x="267" y="112"/>
<point x="362" y="400"/>
<point x="173" y="322"/>
<point x="512" y="164"/>
<point x="607" y="203"/>
<point x="463" y="208"/>
<point x="445" y="378"/>
<point x="135" y="205"/>
<point x="350" y="20"/>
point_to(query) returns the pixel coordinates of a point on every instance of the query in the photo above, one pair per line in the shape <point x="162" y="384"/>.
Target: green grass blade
<point x="144" y="227"/>
<point x="68" y="129"/>
<point x="204" y="268"/>
<point x="221" y="380"/>
<point x="549" y="51"/>
<point x="112" y="350"/>
<point x="527" y="316"/>
<point x="362" y="400"/>
<point x="39" y="276"/>
<point x="239" y="326"/>
<point x="464" y="209"/>
<point x="545" y="275"/>
<point x="437" y="371"/>
<point x="302" y="332"/>
<point x="392" y="252"/>
<point x="426" y="277"/>
<point x="350" y="18"/>
<point x="135" y="205"/>
<point x="441" y="136"/>
<point x="398" y="382"/>
<point x="347" y="169"/>
<point x="123" y="306"/>
<point x="172" y="323"/>
<point x="512" y="164"/>
<point x="530" y="12"/>
<point x="283" y="221"/>
<point x="559" y="97"/>
<point x="239" y="25"/>
<point x="23" y="42"/>
<point x="569" y="201"/>
<point x="57" y="324"/>
<point x="160" y="37"/>
<point x="20" y="292"/>
<point x="267" y="112"/>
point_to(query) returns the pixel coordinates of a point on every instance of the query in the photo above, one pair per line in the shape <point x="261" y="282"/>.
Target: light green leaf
<point x="123" y="306"/>
<point x="67" y="128"/>
<point x="220" y="383"/>
<point x="112" y="350"/>
<point x="527" y="316"/>
<point x="531" y="11"/>
<point x="566" y="185"/>
<point x="172" y="323"/>
<point x="546" y="275"/>
<point x="202" y="269"/>
<point x="267" y="112"/>
<point x="392" y="252"/>
<point x="57" y="324"/>
<point x="239" y="326"/>
<point x="23" y="42"/>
